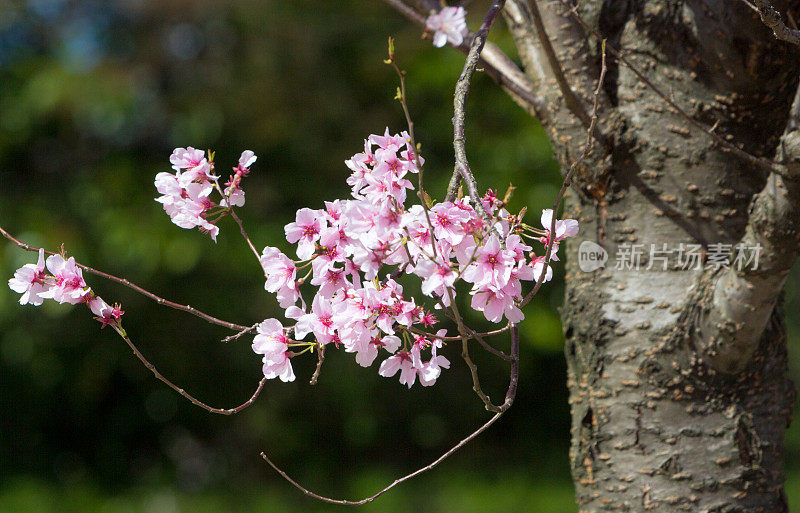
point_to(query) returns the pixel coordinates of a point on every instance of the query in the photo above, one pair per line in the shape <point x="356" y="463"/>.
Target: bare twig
<point x="495" y="63"/>
<point x="404" y="102"/>
<point x="587" y="150"/>
<point x="473" y="369"/>
<point x="318" y="369"/>
<point x="394" y="483"/>
<point x="459" y="105"/>
<point x="772" y="19"/>
<point x="472" y="334"/>
<point x="182" y="392"/>
<point x="510" y="395"/>
<point x="488" y="347"/>
<point x="246" y="237"/>
<point x="245" y="331"/>
<point x="132" y="286"/>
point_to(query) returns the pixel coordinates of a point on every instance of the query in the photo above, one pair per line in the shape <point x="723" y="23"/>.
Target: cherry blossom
<point x="195" y="164"/>
<point x="399" y="362"/>
<point x="234" y="195"/>
<point x="272" y="342"/>
<point x="351" y="251"/>
<point x="304" y="231"/>
<point x="29" y="280"/>
<point x="448" y="25"/>
<point x="69" y="284"/>
<point x="105" y="313"/>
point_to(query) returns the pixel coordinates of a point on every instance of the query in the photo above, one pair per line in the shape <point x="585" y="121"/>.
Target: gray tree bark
<point x="678" y="385"/>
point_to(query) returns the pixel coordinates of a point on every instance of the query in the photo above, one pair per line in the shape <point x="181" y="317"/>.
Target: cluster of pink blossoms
<point x="344" y="252"/>
<point x="343" y="248"/>
<point x="186" y="193"/>
<point x="64" y="284"/>
<point x="449" y="24"/>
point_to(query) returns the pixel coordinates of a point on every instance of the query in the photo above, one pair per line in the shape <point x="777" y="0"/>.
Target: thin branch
<point x="759" y="162"/>
<point x="394" y="483"/>
<point x="452" y="338"/>
<point x="587" y="150"/>
<point x="318" y="369"/>
<point x="136" y="288"/>
<point x="473" y="369"/>
<point x="459" y="105"/>
<point x="574" y="104"/>
<point x="473" y="334"/>
<point x="182" y="392"/>
<point x="495" y="63"/>
<point x="510" y="395"/>
<point x="772" y="19"/>
<point x="246" y="237"/>
<point x="420" y="190"/>
<point x="245" y="331"/>
<point x="490" y="348"/>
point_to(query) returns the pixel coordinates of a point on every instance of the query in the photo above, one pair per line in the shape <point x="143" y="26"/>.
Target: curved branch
<point x="459" y="105"/>
<point x="587" y="150"/>
<point x="772" y="19"/>
<point x="182" y="392"/>
<point x="572" y="101"/>
<point x="510" y="395"/>
<point x="495" y="63"/>
<point x="136" y="288"/>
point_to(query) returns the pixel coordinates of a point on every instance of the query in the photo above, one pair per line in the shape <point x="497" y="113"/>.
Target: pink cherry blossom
<point x="272" y="342"/>
<point x="281" y="271"/>
<point x="29" y="280"/>
<point x="234" y="195"/>
<point x="69" y="284"/>
<point x="448" y="25"/>
<point x="564" y="228"/>
<point x="105" y="313"/>
<point x="432" y="369"/>
<point x="304" y="231"/>
<point x="369" y="350"/>
<point x="492" y="265"/>
<point x="319" y="321"/>
<point x="401" y="361"/>
<point x="195" y="164"/>
<point x="354" y="249"/>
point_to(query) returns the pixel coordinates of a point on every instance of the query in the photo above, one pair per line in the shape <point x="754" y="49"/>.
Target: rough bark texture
<point x="657" y="423"/>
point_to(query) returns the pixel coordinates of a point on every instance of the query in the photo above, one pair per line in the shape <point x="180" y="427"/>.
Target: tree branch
<point x="743" y="299"/>
<point x="772" y="19"/>
<point x="182" y="392"/>
<point x="134" y="287"/>
<point x="510" y="395"/>
<point x="459" y="107"/>
<point x="495" y="63"/>
<point x="587" y="150"/>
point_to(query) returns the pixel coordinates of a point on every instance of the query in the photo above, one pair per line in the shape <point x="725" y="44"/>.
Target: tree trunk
<point x="676" y="405"/>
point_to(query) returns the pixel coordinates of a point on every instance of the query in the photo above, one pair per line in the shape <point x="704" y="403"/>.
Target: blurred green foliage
<point x="93" y="98"/>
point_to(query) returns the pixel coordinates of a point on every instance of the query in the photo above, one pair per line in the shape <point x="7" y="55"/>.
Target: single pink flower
<point x="272" y="342"/>
<point x="304" y="231"/>
<point x="29" y="280"/>
<point x="69" y="284"/>
<point x="449" y="24"/>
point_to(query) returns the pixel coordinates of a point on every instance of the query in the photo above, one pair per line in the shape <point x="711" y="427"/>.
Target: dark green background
<point x="93" y="98"/>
